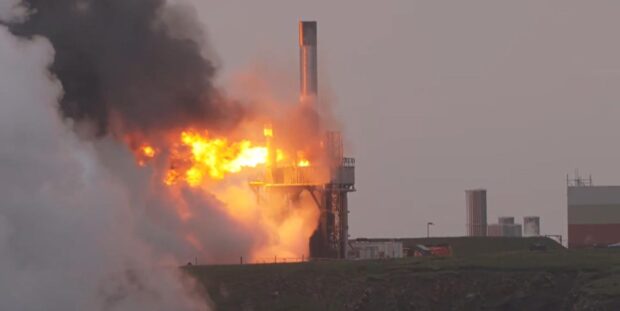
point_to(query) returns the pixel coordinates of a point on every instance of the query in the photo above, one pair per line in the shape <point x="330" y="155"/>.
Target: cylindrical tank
<point x="476" y="212"/>
<point x="531" y="226"/>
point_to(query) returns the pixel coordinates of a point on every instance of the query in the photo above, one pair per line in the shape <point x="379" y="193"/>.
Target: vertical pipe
<point x="308" y="61"/>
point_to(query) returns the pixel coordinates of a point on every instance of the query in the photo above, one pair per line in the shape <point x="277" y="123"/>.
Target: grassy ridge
<point x="553" y="280"/>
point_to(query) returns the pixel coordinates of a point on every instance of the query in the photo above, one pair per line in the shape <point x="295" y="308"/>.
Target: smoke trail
<point x="138" y="63"/>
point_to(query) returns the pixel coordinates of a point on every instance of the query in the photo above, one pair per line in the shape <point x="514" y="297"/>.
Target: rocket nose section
<point x="307" y="33"/>
<point x="308" y="61"/>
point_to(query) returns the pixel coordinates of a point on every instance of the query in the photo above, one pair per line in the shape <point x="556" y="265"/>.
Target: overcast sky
<point x="441" y="96"/>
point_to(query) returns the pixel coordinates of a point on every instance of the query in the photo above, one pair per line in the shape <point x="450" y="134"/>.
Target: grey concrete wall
<point x="595" y="195"/>
<point x="594" y="214"/>
<point x="593" y="205"/>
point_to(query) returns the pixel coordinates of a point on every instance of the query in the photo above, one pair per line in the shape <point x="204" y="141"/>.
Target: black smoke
<point x="122" y="61"/>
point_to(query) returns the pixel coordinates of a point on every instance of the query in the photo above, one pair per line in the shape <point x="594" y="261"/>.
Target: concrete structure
<point x="494" y="230"/>
<point x="476" y="212"/>
<point x="326" y="181"/>
<point x="505" y="227"/>
<point x="504" y="230"/>
<point x="512" y="230"/>
<point x="368" y="249"/>
<point x="531" y="226"/>
<point x="593" y="214"/>
<point x="506" y="220"/>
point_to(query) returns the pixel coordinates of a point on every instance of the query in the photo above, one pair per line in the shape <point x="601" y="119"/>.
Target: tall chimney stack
<point x="308" y="61"/>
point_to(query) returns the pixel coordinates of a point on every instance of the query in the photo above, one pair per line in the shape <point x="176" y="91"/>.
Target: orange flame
<point x="302" y="161"/>
<point x="148" y="151"/>
<point x="268" y="131"/>
<point x="213" y="158"/>
<point x="201" y="160"/>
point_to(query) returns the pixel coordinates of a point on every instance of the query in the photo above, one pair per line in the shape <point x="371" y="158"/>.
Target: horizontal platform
<point x="348" y="188"/>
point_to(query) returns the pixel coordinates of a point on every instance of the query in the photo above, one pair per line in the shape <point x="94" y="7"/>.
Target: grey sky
<point x="440" y="96"/>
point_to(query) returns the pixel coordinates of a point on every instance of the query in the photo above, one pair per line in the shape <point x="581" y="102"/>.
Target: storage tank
<point x="511" y="230"/>
<point x="531" y="226"/>
<point x="476" y="212"/>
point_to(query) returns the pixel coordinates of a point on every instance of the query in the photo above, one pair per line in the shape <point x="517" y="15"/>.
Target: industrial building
<point x="476" y="212"/>
<point x="505" y="220"/>
<point x="505" y="227"/>
<point x="327" y="182"/>
<point x="468" y="246"/>
<point x="374" y="249"/>
<point x="494" y="230"/>
<point x="593" y="214"/>
<point x="531" y="226"/>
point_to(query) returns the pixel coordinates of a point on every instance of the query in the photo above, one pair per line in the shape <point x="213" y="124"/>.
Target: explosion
<point x="195" y="157"/>
<point x="224" y="165"/>
<point x="211" y="158"/>
<point x="170" y="167"/>
<point x="205" y="161"/>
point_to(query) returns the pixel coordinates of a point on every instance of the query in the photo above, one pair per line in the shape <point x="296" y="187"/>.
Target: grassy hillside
<point x="522" y="280"/>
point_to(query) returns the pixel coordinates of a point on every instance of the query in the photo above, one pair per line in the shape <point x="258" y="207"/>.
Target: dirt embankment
<point x="490" y="283"/>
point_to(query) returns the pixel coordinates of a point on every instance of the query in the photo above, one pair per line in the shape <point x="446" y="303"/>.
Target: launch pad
<point x="328" y="181"/>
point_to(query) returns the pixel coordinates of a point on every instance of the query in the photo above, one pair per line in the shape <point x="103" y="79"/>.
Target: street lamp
<point x="428" y="229"/>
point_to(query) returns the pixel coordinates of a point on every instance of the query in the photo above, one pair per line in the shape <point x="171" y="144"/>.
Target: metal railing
<point x="272" y="260"/>
<point x="348" y="162"/>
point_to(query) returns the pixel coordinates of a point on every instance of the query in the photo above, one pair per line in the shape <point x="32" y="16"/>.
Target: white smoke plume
<point x="69" y="238"/>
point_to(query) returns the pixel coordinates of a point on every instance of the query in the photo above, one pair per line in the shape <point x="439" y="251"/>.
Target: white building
<point x="531" y="226"/>
<point x="373" y="249"/>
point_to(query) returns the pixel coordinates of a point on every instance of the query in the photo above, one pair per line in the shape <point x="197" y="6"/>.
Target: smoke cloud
<point x="141" y="65"/>
<point x="81" y="213"/>
<point x="68" y="238"/>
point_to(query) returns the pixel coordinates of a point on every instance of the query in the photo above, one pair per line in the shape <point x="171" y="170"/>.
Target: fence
<point x="272" y="260"/>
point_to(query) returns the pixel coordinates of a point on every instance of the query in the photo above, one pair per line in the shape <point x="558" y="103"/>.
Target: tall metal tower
<point x="329" y="193"/>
